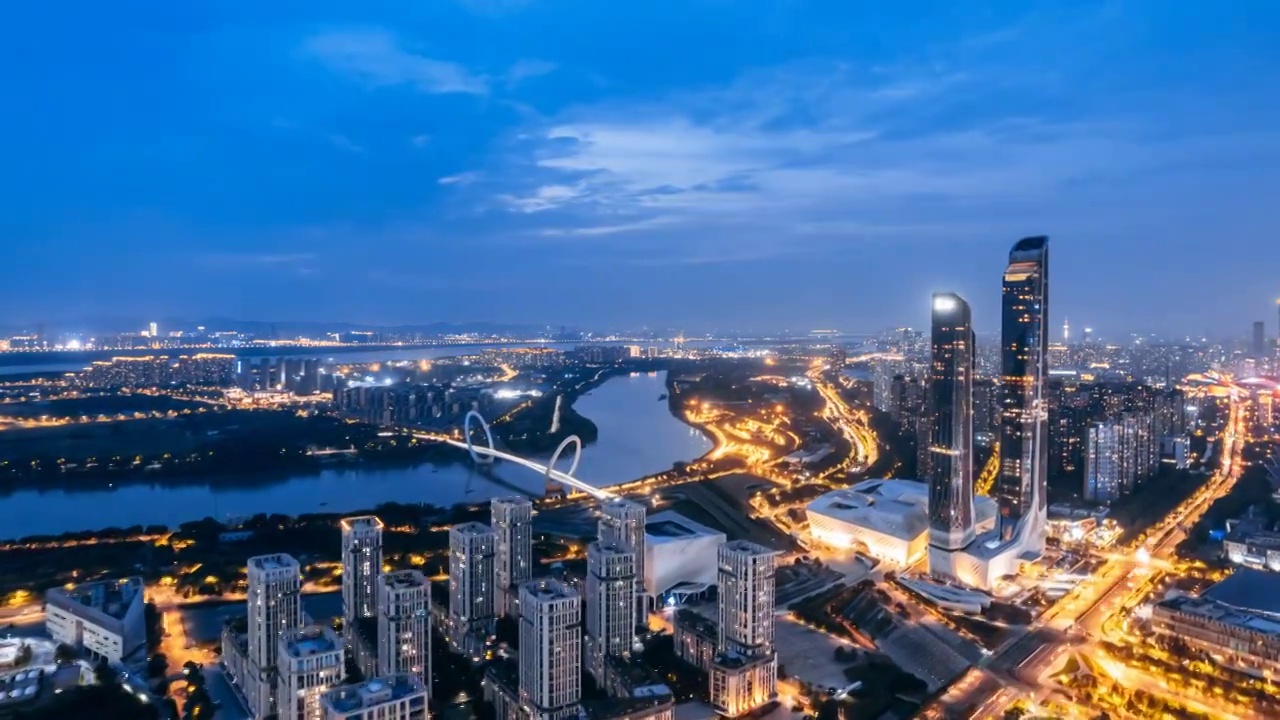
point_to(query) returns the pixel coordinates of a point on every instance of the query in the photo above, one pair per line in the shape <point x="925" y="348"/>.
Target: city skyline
<point x="360" y="165"/>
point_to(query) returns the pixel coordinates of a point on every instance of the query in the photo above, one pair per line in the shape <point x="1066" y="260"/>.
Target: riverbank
<point x="529" y="431"/>
<point x="201" y="446"/>
<point x="639" y="438"/>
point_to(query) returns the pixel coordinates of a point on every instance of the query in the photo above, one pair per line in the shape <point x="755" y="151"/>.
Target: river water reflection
<point x="637" y="437"/>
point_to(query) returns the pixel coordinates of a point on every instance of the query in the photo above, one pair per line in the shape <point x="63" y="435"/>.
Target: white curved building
<point x="887" y="519"/>
<point x="679" y="552"/>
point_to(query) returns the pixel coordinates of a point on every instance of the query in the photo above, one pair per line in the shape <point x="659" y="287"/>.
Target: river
<point x="638" y="437"/>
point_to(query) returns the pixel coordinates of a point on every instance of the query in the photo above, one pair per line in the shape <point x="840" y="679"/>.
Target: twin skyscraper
<point x="957" y="551"/>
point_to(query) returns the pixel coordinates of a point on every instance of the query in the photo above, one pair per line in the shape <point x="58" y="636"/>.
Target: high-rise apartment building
<point x="611" y="601"/>
<point x="1103" y="468"/>
<point x="361" y="566"/>
<point x="404" y="625"/>
<point x="623" y="526"/>
<point x="744" y="674"/>
<point x="550" y="649"/>
<point x="951" y="510"/>
<point x="1122" y="453"/>
<point x="512" y="522"/>
<point x="1021" y="483"/>
<point x="1258" y="346"/>
<point x="310" y="664"/>
<point x="275" y="609"/>
<point x="471" y="578"/>
<point x="984" y="406"/>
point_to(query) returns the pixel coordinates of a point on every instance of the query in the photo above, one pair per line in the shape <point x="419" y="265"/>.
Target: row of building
<point x="406" y="404"/>
<point x="158" y="370"/>
<point x="300" y="376"/>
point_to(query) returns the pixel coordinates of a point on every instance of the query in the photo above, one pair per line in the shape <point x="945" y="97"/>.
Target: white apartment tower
<point x="275" y="609"/>
<point x="310" y="664"/>
<point x="550" y="649"/>
<point x="361" y="566"/>
<point x="623" y="526"/>
<point x="744" y="675"/>
<point x="471" y="595"/>
<point x="610" y="601"/>
<point x="404" y="625"/>
<point x="746" y="591"/>
<point x="512" y="522"/>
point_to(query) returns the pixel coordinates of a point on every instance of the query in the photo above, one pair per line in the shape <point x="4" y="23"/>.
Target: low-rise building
<point x="106" y="619"/>
<point x="629" y="677"/>
<point x="695" y="638"/>
<point x="741" y="684"/>
<point x="1258" y="549"/>
<point x="396" y="697"/>
<point x="363" y="639"/>
<point x="1237" y="620"/>
<point x="502" y="689"/>
<point x="651" y="708"/>
<point x="887" y="519"/>
<point x="235" y="657"/>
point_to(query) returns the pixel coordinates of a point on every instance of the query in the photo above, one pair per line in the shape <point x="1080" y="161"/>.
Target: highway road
<point x="1082" y="615"/>
<point x="1079" y="617"/>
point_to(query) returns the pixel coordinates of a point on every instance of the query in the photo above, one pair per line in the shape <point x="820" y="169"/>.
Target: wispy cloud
<point x="378" y="58"/>
<point x="529" y="68"/>
<point x="344" y="143"/>
<point x="465" y="178"/>
<point x="813" y="153"/>
<point x="302" y="263"/>
<point x="493" y="7"/>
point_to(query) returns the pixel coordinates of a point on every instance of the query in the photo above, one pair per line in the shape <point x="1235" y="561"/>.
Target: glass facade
<point x="1020" y="486"/>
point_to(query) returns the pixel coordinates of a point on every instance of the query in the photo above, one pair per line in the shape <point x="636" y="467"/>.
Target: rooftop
<point x="690" y="620"/>
<point x="611" y="708"/>
<point x="505" y="673"/>
<point x="278" y="561"/>
<point x="1223" y="613"/>
<point x="349" y="698"/>
<point x="403" y="579"/>
<point x="670" y="526"/>
<point x="549" y="590"/>
<point x="894" y="507"/>
<point x="638" y="677"/>
<point x="1259" y="538"/>
<point x="735" y="661"/>
<point x="311" y="640"/>
<point x="361" y="522"/>
<point x="1256" y="591"/>
<point x="472" y="528"/>
<point x="746" y="546"/>
<point x="620" y="507"/>
<point x="112" y="598"/>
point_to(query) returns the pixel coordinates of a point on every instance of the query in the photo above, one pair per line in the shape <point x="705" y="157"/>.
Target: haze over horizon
<point x="691" y="164"/>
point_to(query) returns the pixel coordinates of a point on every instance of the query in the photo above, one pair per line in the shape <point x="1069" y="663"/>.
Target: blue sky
<point x="699" y="164"/>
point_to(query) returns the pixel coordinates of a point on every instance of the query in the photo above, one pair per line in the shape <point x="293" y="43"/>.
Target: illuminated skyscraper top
<point x="1024" y="457"/>
<point x="951" y="519"/>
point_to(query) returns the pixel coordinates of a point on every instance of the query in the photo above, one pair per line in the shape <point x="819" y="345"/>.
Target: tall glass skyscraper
<point x="1024" y="424"/>
<point x="951" y="514"/>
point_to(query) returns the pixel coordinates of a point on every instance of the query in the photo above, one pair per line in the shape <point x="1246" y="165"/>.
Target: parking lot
<point x="808" y="654"/>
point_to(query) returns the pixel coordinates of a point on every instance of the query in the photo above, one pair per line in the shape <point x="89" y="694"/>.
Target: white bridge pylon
<point x="486" y="455"/>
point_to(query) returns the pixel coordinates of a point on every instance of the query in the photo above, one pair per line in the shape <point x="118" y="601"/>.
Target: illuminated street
<point x="1085" y="614"/>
